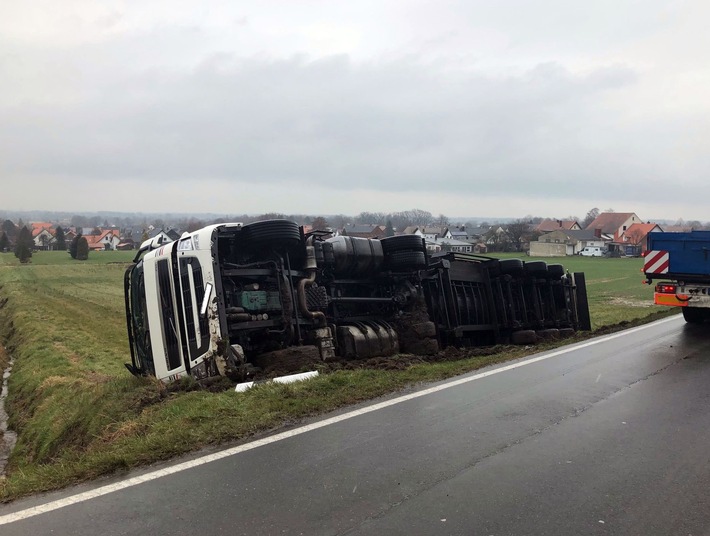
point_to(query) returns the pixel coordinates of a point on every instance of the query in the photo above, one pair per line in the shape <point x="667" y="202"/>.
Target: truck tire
<point x="555" y="271"/>
<point x="511" y="267"/>
<point x="493" y="267"/>
<point x="405" y="259"/>
<point x="536" y="268"/>
<point x="693" y="315"/>
<point x="566" y="332"/>
<point x="271" y="233"/>
<point x="424" y="330"/>
<point x="524" y="336"/>
<point x="549" y="334"/>
<point x="402" y="243"/>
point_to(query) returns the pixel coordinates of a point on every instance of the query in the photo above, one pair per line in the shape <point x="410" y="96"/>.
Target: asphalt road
<point x="611" y="436"/>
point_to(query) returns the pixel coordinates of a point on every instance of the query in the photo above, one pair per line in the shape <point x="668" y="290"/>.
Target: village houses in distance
<point x="608" y="234"/>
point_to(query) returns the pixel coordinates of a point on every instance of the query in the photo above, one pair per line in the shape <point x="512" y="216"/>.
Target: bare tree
<point x="420" y="217"/>
<point x="518" y="233"/>
<point x="270" y="216"/>
<point x="338" y="221"/>
<point x="319" y="223"/>
<point x="442" y="221"/>
<point x="590" y="217"/>
<point x="371" y="217"/>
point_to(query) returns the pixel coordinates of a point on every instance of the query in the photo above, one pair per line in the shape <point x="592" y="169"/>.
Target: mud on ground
<point x="300" y="359"/>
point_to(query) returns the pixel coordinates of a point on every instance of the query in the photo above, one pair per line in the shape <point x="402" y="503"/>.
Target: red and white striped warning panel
<point x="656" y="262"/>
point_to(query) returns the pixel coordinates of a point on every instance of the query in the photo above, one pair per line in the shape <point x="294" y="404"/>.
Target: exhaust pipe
<point x="311" y="267"/>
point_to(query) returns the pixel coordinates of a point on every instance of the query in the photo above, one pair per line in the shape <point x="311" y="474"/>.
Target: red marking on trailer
<point x="656" y="262"/>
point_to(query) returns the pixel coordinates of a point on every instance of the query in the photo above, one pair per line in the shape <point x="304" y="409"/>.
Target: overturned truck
<point x="234" y="300"/>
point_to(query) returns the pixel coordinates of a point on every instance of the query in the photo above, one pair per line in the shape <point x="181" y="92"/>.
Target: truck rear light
<point x="664" y="288"/>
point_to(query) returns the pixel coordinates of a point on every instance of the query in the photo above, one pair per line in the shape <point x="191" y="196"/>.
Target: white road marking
<point x="160" y="473"/>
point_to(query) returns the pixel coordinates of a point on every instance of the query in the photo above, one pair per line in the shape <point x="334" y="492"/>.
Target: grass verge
<point x="79" y="414"/>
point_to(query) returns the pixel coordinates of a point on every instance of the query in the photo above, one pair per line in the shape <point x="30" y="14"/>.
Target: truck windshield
<point x="138" y="319"/>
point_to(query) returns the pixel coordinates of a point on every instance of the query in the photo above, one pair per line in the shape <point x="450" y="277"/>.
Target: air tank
<point x="356" y="257"/>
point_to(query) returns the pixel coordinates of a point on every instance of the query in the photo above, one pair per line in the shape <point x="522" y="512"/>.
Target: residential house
<point x="126" y="244"/>
<point x="364" y="230"/>
<point x="35" y="228"/>
<point x="548" y="225"/>
<point x="459" y="233"/>
<point x="173" y="234"/>
<point x="42" y="235"/>
<point x="636" y="236"/>
<point x="586" y="238"/>
<point x="564" y="242"/>
<point x="107" y="240"/>
<point x="612" y="225"/>
<point x="69" y="236"/>
<point x="43" y="239"/>
<point x="449" y="244"/>
<point x="432" y="233"/>
<point x="477" y="233"/>
<point x="429" y="233"/>
<point x="162" y="236"/>
<point x="496" y="238"/>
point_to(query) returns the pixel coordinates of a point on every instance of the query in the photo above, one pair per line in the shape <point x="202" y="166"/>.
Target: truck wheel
<point x="693" y="315"/>
<point x="272" y="233"/>
<point x="549" y="334"/>
<point x="511" y="267"/>
<point x="525" y="336"/>
<point x="424" y="330"/>
<point x="566" y="332"/>
<point x="538" y="268"/>
<point x="555" y="271"/>
<point x="405" y="259"/>
<point x="402" y="243"/>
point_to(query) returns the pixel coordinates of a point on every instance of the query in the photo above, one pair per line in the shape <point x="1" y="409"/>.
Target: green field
<point x="79" y="413"/>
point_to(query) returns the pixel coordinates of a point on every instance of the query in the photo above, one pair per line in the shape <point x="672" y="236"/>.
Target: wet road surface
<point x="608" y="436"/>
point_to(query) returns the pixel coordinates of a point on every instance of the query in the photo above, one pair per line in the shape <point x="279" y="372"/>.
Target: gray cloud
<point x="165" y="104"/>
<point x="387" y="124"/>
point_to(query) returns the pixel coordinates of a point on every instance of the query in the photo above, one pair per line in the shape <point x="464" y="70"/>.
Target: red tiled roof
<point x="636" y="232"/>
<point x="547" y="225"/>
<point x="39" y="227"/>
<point x="609" y="222"/>
<point x="95" y="241"/>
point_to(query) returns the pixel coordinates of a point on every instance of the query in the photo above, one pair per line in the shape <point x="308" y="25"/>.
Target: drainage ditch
<point x="8" y="438"/>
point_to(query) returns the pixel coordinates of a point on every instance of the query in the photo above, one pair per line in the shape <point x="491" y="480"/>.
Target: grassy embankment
<point x="79" y="414"/>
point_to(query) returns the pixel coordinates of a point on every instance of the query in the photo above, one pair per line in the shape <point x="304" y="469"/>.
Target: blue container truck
<point x="680" y="265"/>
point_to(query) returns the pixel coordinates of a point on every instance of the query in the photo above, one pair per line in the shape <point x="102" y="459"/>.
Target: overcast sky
<point x="471" y="108"/>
